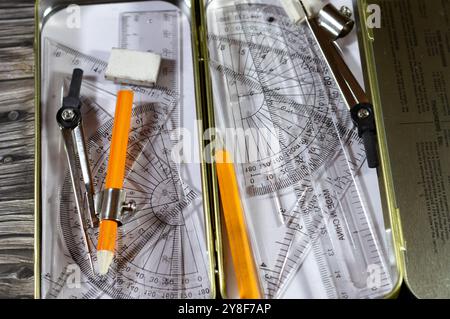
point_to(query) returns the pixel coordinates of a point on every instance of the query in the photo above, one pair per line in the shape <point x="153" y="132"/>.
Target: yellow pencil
<point x="241" y="251"/>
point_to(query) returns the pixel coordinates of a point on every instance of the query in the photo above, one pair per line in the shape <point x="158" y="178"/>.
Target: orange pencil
<point x="233" y="213"/>
<point x="114" y="176"/>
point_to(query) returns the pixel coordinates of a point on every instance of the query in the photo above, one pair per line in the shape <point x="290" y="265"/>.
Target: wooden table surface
<point x="16" y="148"/>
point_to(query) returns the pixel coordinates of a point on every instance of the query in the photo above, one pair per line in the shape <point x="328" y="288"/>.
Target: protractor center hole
<point x="165" y="202"/>
<point x="251" y="100"/>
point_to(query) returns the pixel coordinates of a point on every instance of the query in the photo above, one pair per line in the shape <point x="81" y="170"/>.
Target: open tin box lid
<point x="406" y="50"/>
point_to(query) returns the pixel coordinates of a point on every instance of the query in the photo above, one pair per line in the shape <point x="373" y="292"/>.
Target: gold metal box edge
<point x="370" y="79"/>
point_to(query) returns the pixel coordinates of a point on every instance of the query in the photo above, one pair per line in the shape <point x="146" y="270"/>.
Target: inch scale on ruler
<point x="159" y="253"/>
<point x="269" y="73"/>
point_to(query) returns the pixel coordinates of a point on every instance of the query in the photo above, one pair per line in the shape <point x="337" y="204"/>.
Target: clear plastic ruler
<point x="165" y="40"/>
<point x="161" y="249"/>
<point x="300" y="161"/>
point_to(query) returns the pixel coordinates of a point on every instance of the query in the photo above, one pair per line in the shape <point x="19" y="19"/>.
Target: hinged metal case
<point x="212" y="233"/>
<point x="405" y="68"/>
<point x="195" y="10"/>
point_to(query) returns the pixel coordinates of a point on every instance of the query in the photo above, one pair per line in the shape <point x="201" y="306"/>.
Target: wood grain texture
<point x="16" y="148"/>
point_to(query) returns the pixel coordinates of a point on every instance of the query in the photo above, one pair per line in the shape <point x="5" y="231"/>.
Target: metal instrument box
<point x="404" y="68"/>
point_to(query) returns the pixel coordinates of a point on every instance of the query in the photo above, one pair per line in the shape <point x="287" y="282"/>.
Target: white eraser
<point x="295" y="11"/>
<point x="133" y="67"/>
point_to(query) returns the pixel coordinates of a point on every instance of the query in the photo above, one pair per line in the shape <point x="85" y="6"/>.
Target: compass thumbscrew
<point x="130" y="206"/>
<point x="363" y="113"/>
<point x="67" y="114"/>
<point x="346" y="11"/>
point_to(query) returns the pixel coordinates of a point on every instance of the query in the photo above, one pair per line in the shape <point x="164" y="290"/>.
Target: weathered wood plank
<point x="17" y="280"/>
<point x="16" y="4"/>
<point x="16" y="63"/>
<point x="16" y="148"/>
<point x="17" y="95"/>
<point x="16" y="140"/>
<point x="16" y="180"/>
<point x="16" y="257"/>
<point x="16" y="287"/>
<point x="16" y="216"/>
<point x="17" y="28"/>
<point x="16" y="167"/>
<point x="16" y="23"/>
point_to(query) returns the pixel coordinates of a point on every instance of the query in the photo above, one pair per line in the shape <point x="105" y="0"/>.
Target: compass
<point x="152" y="240"/>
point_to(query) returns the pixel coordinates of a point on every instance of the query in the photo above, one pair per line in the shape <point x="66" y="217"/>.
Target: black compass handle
<point x="69" y="115"/>
<point x="364" y="119"/>
<point x="75" y="83"/>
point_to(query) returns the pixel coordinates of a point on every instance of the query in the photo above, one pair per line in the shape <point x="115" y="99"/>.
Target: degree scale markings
<point x="289" y="101"/>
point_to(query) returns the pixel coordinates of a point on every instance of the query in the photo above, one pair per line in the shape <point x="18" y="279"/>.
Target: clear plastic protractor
<point x="162" y="248"/>
<point x="295" y="151"/>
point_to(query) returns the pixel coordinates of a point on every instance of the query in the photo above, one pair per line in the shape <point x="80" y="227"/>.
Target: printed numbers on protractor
<point x="276" y="91"/>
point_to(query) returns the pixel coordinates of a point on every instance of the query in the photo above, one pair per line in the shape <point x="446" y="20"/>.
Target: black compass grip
<point x="75" y="83"/>
<point x="69" y="115"/>
<point x="370" y="144"/>
<point x="72" y="100"/>
<point x="364" y="119"/>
